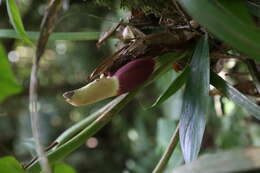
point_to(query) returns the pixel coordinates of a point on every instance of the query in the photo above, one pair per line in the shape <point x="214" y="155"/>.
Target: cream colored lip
<point x="93" y="92"/>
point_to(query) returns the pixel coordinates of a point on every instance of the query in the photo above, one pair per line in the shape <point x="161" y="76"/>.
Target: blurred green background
<point x="134" y="140"/>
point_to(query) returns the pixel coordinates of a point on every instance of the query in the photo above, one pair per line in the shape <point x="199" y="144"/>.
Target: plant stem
<point x="168" y="152"/>
<point x="9" y="33"/>
<point x="47" y="26"/>
<point x="252" y="67"/>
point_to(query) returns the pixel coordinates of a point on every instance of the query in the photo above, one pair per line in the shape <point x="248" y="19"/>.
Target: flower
<point x="125" y="79"/>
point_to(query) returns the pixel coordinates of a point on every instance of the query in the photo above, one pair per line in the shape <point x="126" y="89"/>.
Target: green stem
<point x="75" y="129"/>
<point x="168" y="152"/>
<point x="9" y="33"/>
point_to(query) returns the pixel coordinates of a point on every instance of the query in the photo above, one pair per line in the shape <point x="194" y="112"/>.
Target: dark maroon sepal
<point x="134" y="74"/>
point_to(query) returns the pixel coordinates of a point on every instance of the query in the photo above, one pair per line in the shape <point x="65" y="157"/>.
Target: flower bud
<point x="125" y="79"/>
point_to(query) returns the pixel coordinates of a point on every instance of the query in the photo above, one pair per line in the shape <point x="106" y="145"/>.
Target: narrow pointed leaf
<point x="195" y="102"/>
<point x="16" y="21"/>
<point x="8" y="83"/>
<point x="226" y="24"/>
<point x="173" y="88"/>
<point x="234" y="95"/>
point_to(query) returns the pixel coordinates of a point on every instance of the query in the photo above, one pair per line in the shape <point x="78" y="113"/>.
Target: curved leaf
<point x="234" y="95"/>
<point x="15" y="18"/>
<point x="226" y="24"/>
<point x="195" y="102"/>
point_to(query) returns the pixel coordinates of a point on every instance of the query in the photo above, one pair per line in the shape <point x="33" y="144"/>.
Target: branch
<point x="46" y="29"/>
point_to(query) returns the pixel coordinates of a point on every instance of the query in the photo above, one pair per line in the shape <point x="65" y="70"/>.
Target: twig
<point x="46" y="29"/>
<point x="168" y="152"/>
<point x="108" y="33"/>
<point x="254" y="73"/>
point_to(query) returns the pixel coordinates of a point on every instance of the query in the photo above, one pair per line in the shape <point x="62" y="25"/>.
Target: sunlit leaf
<point x="234" y="95"/>
<point x="62" y="168"/>
<point x="15" y="18"/>
<point x="226" y="24"/>
<point x="195" y="102"/>
<point x="173" y="88"/>
<point x="10" y="165"/>
<point x="234" y="161"/>
<point x="8" y="83"/>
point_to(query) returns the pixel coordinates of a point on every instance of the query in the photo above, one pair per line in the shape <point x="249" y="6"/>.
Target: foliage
<point x="223" y="37"/>
<point x="10" y="165"/>
<point x="8" y="85"/>
<point x="195" y="102"/>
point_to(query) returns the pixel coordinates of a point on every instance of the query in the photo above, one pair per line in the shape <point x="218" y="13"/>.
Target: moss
<point x="160" y="8"/>
<point x="163" y="8"/>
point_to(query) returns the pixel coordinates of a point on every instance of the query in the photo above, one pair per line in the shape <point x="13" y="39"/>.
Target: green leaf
<point x="233" y="161"/>
<point x="10" y="165"/>
<point x="8" y="84"/>
<point x="237" y="8"/>
<point x="60" y="167"/>
<point x="226" y="24"/>
<point x="254" y="7"/>
<point x="234" y="95"/>
<point x="173" y="88"/>
<point x="195" y="102"/>
<point x="15" y="18"/>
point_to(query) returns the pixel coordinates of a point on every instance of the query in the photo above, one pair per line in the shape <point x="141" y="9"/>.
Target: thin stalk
<point x="46" y="28"/>
<point x="9" y="33"/>
<point x="168" y="152"/>
<point x="252" y="67"/>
